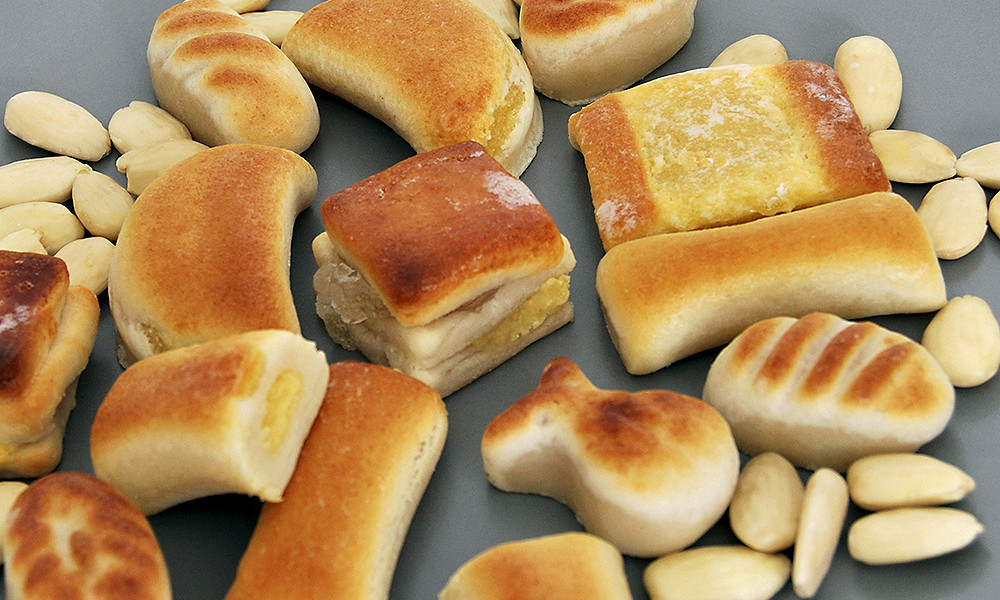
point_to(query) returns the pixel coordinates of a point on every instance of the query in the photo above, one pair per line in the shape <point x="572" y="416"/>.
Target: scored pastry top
<point x="438" y="229"/>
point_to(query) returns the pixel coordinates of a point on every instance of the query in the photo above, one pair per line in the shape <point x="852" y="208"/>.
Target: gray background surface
<point x="93" y="53"/>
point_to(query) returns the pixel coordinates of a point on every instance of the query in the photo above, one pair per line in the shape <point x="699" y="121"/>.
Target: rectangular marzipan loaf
<point x="722" y="146"/>
<point x="673" y="295"/>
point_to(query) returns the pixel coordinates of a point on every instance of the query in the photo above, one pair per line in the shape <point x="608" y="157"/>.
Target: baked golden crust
<point x="47" y="330"/>
<point x="823" y="391"/>
<point x="721" y="146"/>
<point x="70" y="535"/>
<point x="669" y="296"/>
<point x="438" y="76"/>
<point x="32" y="294"/>
<point x="226" y="81"/>
<point x="580" y="50"/>
<point x="225" y="416"/>
<point x="346" y="510"/>
<point x="193" y="388"/>
<point x="205" y="250"/>
<point x="626" y="463"/>
<point x="438" y="229"/>
<point x="566" y="566"/>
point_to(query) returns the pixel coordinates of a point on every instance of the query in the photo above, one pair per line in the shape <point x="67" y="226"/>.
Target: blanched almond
<point x="764" y="511"/>
<point x="870" y="73"/>
<point x="9" y="491"/>
<point x="994" y="214"/>
<point x="982" y="164"/>
<point x="55" y="124"/>
<point x="242" y="6"/>
<point x="143" y="124"/>
<point x="88" y="261"/>
<point x="955" y="215"/>
<point x="824" y="508"/>
<point x="758" y="49"/>
<point x="142" y="165"/>
<point x="55" y="222"/>
<point x="909" y="534"/>
<point x="883" y="481"/>
<point x="913" y="157"/>
<point x="964" y="337"/>
<point x="47" y="179"/>
<point x="273" y="23"/>
<point x="710" y="572"/>
<point x="101" y="204"/>
<point x="23" y="240"/>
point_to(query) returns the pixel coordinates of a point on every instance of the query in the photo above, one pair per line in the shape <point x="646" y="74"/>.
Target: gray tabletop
<point x="94" y="54"/>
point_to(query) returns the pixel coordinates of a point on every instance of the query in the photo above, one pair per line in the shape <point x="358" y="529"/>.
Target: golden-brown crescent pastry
<point x="564" y="566"/>
<point x="205" y="250"/>
<point x="226" y="81"/>
<point x="71" y="535"/>
<point x="823" y="391"/>
<point x="438" y="76"/>
<point x="649" y="471"/>
<point x="442" y="266"/>
<point x="720" y="146"/>
<point x="225" y="416"/>
<point x="47" y="330"/>
<point x="347" y="509"/>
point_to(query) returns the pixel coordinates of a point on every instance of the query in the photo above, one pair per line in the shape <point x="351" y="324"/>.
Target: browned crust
<point x="567" y="566"/>
<point x="190" y="389"/>
<point x="190" y="19"/>
<point x="437" y="229"/>
<point x="32" y="293"/>
<point x="112" y="552"/>
<point x="204" y="249"/>
<point x="671" y="295"/>
<point x="447" y="61"/>
<point x="895" y="380"/>
<point x="645" y="438"/>
<point x="602" y="133"/>
<point x="851" y="166"/>
<point x="332" y="536"/>
<point x="569" y="17"/>
<point x="628" y="205"/>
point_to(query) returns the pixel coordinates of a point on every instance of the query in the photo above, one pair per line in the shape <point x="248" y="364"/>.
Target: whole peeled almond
<point x="716" y="572"/>
<point x="101" y="204"/>
<point x="55" y="124"/>
<point x="46" y="179"/>
<point x="982" y="164"/>
<point x="143" y="124"/>
<point x="993" y="215"/>
<point x="142" y="165"/>
<point x="758" y="49"/>
<point x="242" y="6"/>
<point x="955" y="215"/>
<point x="905" y="535"/>
<point x="912" y="157"/>
<point x="964" y="338"/>
<point x="88" y="261"/>
<point x="273" y="23"/>
<point x="9" y="491"/>
<point x="55" y="222"/>
<point x="899" y="480"/>
<point x="824" y="509"/>
<point x="764" y="511"/>
<point x="23" y="240"/>
<point x="870" y="73"/>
